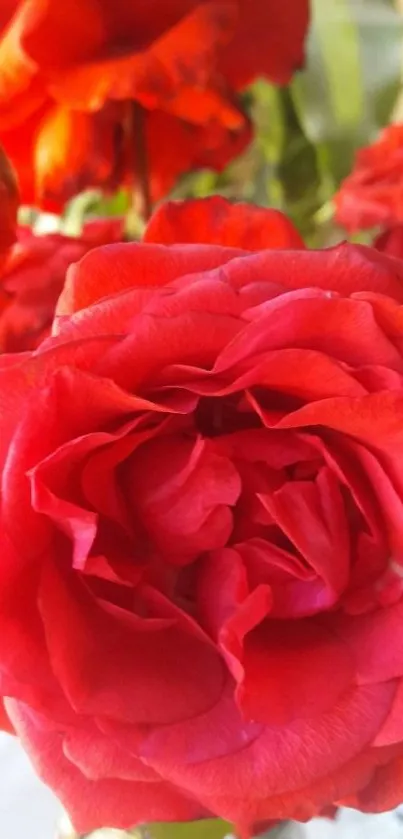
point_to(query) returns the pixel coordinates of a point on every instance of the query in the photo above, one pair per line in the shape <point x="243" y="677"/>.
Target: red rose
<point x="373" y="193"/>
<point x="216" y="221"/>
<point x="202" y="535"/>
<point x="68" y="83"/>
<point x="34" y="275"/>
<point x="60" y="152"/>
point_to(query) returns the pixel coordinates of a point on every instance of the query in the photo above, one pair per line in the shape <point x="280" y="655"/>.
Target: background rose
<point x="201" y="535"/>
<point x="373" y="193"/>
<point x="68" y="81"/>
<point x="33" y="277"/>
<point x="216" y="221"/>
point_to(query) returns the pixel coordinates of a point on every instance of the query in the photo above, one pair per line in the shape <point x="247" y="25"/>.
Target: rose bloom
<point x="373" y="194"/>
<point x="33" y="277"/>
<point x="69" y="74"/>
<point x="201" y="532"/>
<point x="215" y="221"/>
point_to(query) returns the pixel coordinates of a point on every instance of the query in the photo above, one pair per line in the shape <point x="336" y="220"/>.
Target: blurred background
<point x="307" y="134"/>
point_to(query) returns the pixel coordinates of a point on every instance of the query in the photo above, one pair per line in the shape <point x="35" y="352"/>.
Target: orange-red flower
<point x="216" y="221"/>
<point x="59" y="152"/>
<point x="69" y="74"/>
<point x="33" y="278"/>
<point x="373" y="193"/>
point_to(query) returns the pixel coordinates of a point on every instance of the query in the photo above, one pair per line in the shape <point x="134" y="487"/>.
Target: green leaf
<point x="92" y="203"/>
<point x="351" y="80"/>
<point x="204" y="829"/>
<point x="380" y="33"/>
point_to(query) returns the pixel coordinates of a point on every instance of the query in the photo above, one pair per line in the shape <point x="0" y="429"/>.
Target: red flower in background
<point x="34" y="275"/>
<point x="35" y="270"/>
<point x="69" y="73"/>
<point x="215" y="221"/>
<point x="373" y="194"/>
<point x="61" y="152"/>
<point x="201" y="533"/>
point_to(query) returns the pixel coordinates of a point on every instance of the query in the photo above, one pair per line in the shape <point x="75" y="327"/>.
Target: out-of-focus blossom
<point x="60" y="152"/>
<point x="216" y="221"/>
<point x="34" y="275"/>
<point x="70" y="73"/>
<point x="373" y="193"/>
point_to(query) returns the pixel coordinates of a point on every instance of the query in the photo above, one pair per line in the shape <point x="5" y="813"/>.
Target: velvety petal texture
<point x="201" y="526"/>
<point x="74" y="82"/>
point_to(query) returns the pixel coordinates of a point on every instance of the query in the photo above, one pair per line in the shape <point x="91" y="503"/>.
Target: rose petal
<point x="99" y="757"/>
<point x="392" y="729"/>
<point x="292" y="674"/>
<point x="215" y="221"/>
<point x="344" y="269"/>
<point x="159" y="668"/>
<point x="282" y="759"/>
<point x="92" y="804"/>
<point x="183" y="493"/>
<point x="107" y="271"/>
<point x="269" y="40"/>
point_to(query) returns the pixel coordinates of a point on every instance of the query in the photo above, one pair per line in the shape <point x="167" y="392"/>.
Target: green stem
<point x="141" y="186"/>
